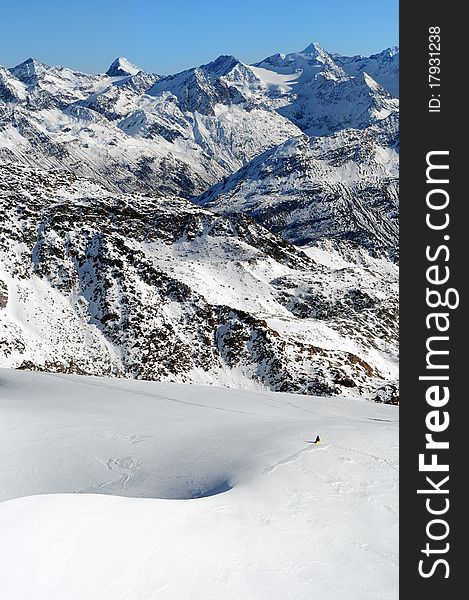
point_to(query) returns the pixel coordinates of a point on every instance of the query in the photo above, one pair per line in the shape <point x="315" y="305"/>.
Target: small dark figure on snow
<point x="317" y="440"/>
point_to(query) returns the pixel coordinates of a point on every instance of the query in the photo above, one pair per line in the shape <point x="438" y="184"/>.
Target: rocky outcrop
<point x="108" y="284"/>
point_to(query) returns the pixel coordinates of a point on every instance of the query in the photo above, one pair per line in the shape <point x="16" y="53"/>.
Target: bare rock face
<point x="387" y="394"/>
<point x="3" y="294"/>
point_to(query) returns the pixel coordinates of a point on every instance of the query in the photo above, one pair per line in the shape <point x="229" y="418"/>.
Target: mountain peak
<point x="122" y="67"/>
<point x="29" y="70"/>
<point x="392" y="51"/>
<point x="221" y="65"/>
<point x="314" y="48"/>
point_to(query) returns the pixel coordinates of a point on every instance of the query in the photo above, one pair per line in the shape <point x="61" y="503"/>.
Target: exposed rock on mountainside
<point x="124" y="285"/>
<point x="108" y="268"/>
<point x="342" y="187"/>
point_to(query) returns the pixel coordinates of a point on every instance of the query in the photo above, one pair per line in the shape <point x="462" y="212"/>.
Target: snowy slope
<point x="135" y="286"/>
<point x="225" y="495"/>
<point x="315" y="92"/>
<point x="342" y="187"/>
<point x="383" y="67"/>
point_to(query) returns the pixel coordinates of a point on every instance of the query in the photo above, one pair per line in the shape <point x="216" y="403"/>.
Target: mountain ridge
<point x="234" y="167"/>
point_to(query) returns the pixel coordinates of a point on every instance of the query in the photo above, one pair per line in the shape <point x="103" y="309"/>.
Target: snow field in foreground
<point x="299" y="521"/>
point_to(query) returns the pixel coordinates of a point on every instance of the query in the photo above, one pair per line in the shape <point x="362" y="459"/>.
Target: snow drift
<point x="256" y="510"/>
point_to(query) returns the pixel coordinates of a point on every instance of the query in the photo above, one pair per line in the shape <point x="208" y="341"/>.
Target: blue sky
<point x="168" y="36"/>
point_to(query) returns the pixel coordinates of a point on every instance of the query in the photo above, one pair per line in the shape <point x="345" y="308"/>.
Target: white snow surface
<point x="125" y="490"/>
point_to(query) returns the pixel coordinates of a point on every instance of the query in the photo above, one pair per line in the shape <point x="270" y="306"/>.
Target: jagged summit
<point x="29" y="62"/>
<point x="313" y="48"/>
<point x="29" y="70"/>
<point x="391" y="52"/>
<point x="307" y="61"/>
<point x="122" y="67"/>
<point x="221" y="65"/>
<point x="383" y="67"/>
<point x="225" y="80"/>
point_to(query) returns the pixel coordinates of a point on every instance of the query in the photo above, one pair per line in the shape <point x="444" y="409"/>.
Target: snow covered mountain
<point x="341" y="187"/>
<point x="313" y="91"/>
<point x="233" y="226"/>
<point x="98" y="283"/>
<point x="383" y="67"/>
<point x="122" y="67"/>
<point x="109" y="128"/>
<point x="108" y="268"/>
<point x="181" y="133"/>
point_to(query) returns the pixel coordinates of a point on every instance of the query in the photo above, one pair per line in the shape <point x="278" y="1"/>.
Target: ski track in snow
<point x="292" y="457"/>
<point x="167" y="398"/>
<point x="380" y="459"/>
<point x="312" y="446"/>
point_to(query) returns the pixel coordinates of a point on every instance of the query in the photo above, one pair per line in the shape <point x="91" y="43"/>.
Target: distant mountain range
<point x="230" y="224"/>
